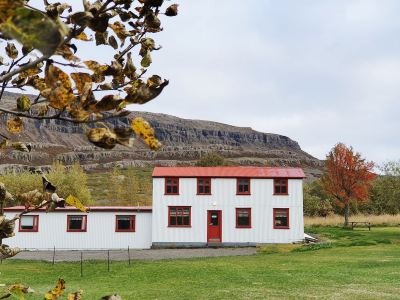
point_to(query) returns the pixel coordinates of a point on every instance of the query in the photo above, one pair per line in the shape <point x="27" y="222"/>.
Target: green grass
<point x="358" y="265"/>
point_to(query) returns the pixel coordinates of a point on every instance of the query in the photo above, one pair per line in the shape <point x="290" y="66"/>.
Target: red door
<point x="214" y="228"/>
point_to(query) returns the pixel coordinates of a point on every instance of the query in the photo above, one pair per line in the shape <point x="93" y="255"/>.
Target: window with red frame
<point x="125" y="223"/>
<point x="171" y="186"/>
<point x="280" y="186"/>
<point x="204" y="186"/>
<point x="76" y="223"/>
<point x="243" y="186"/>
<point x="243" y="217"/>
<point x="281" y="218"/>
<point x="29" y="223"/>
<point x="179" y="216"/>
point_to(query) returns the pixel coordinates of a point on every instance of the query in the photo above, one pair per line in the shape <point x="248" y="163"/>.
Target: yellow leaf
<point x="143" y="129"/>
<point x="73" y="201"/>
<point x="55" y="293"/>
<point x="83" y="37"/>
<point x="7" y="8"/>
<point x="15" y="125"/>
<point x="11" y="51"/>
<point x="81" y="79"/>
<point x="60" y="95"/>
<point x="102" y="137"/>
<point x="75" y="296"/>
<point x="21" y="147"/>
<point x="18" y="290"/>
<point x="23" y="103"/>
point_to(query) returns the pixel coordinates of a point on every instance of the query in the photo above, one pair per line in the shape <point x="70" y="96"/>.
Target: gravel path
<point x="119" y="255"/>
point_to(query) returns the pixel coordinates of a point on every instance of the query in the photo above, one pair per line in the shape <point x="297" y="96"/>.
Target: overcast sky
<point x="317" y="71"/>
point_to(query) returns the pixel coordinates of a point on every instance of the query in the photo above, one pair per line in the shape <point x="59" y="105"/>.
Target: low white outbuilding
<point x="67" y="228"/>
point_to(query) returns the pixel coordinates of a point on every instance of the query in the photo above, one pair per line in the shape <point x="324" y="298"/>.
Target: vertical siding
<point x="100" y="232"/>
<point x="224" y="198"/>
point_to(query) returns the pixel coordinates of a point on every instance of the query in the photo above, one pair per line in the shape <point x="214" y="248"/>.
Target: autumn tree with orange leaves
<point x="347" y="177"/>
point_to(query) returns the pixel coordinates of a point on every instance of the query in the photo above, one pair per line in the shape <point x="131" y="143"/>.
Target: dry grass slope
<point x="336" y="220"/>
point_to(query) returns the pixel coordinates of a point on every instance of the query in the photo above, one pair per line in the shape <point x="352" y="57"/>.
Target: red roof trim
<point x="229" y="172"/>
<point x="91" y="208"/>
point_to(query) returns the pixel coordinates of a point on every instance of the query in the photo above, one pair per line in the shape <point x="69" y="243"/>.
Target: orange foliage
<point x="347" y="175"/>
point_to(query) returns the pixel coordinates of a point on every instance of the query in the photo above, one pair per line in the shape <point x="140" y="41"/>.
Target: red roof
<point x="226" y="172"/>
<point x="91" y="208"/>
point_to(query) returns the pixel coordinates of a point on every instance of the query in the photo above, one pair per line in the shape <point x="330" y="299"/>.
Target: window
<point x="125" y="223"/>
<point x="243" y="186"/>
<point x="179" y="216"/>
<point x="203" y="186"/>
<point x="76" y="223"/>
<point x="29" y="224"/>
<point x="243" y="217"/>
<point x="172" y="186"/>
<point x="280" y="186"/>
<point x="281" y="218"/>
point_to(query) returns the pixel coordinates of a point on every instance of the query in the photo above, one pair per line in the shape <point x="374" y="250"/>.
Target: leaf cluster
<point x="50" y="42"/>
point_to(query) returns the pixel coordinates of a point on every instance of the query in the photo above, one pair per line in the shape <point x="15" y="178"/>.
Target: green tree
<point x="70" y="180"/>
<point x="211" y="159"/>
<point x="316" y="201"/>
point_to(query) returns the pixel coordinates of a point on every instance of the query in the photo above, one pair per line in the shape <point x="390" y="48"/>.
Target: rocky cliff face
<point x="184" y="142"/>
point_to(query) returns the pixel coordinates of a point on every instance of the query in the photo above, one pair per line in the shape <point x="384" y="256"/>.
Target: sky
<point x="317" y="71"/>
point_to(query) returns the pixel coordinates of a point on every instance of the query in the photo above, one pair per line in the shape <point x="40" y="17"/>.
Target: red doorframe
<point x="214" y="226"/>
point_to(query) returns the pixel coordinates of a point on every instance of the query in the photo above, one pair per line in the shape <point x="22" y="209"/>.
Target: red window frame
<point x="174" y="184"/>
<point x="132" y="223"/>
<point x="177" y="208"/>
<point x="206" y="181"/>
<point x="84" y="222"/>
<point x="288" y="218"/>
<point x="237" y="217"/>
<point x="281" y="182"/>
<point x="237" y="186"/>
<point x="35" y="224"/>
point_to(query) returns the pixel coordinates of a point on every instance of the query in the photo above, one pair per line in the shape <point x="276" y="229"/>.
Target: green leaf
<point x="23" y="103"/>
<point x="146" y="60"/>
<point x="34" y="29"/>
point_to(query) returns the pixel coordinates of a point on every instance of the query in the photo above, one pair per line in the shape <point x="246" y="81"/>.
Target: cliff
<point x="184" y="142"/>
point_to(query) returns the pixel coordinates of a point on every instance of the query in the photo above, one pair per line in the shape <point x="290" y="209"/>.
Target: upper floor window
<point x="76" y="223"/>
<point x="125" y="223"/>
<point x="280" y="186"/>
<point x="281" y="218"/>
<point x="204" y="186"/>
<point x="243" y="217"/>
<point x="243" y="186"/>
<point x="172" y="186"/>
<point x="179" y="216"/>
<point x="29" y="223"/>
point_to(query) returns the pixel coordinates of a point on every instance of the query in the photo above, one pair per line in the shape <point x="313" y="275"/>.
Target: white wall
<point x="261" y="201"/>
<point x="100" y="232"/>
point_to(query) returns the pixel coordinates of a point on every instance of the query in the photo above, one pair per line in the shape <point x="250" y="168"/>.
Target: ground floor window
<point x="29" y="223"/>
<point x="76" y="223"/>
<point x="125" y="223"/>
<point x="243" y="217"/>
<point x="281" y="218"/>
<point x="179" y="216"/>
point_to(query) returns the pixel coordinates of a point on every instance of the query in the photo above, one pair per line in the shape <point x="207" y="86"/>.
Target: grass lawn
<point x="350" y="265"/>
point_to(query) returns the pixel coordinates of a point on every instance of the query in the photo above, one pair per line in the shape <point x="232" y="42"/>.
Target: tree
<point x="316" y="201"/>
<point x="211" y="159"/>
<point x="385" y="194"/>
<point x="347" y="177"/>
<point x="42" y="47"/>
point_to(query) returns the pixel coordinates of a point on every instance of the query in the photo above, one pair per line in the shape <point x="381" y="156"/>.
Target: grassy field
<point x="335" y="220"/>
<point x="347" y="265"/>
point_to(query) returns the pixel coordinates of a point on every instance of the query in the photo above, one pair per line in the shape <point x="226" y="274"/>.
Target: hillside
<point x="184" y="142"/>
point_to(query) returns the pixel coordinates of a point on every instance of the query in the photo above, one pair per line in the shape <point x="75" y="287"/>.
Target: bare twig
<point x="23" y="68"/>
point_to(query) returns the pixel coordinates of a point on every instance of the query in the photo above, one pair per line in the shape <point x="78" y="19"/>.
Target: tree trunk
<point x="346" y="215"/>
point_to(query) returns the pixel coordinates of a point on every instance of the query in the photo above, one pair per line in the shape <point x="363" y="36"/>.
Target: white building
<point x="192" y="207"/>
<point x="196" y="206"/>
<point x="67" y="228"/>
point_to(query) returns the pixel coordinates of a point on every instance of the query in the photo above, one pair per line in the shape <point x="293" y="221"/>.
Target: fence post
<point x="81" y="264"/>
<point x="54" y="254"/>
<point x="129" y="257"/>
<point x="108" y="260"/>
